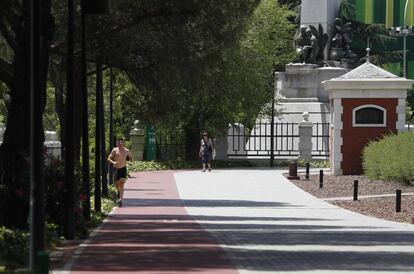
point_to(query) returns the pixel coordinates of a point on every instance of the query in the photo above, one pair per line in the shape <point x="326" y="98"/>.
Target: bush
<point x="55" y="196"/>
<point x="180" y="164"/>
<point x="55" y="190"/>
<point x="390" y="158"/>
<point x="14" y="248"/>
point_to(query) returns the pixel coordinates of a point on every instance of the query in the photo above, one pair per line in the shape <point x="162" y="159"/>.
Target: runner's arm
<point x="110" y="157"/>
<point x="129" y="156"/>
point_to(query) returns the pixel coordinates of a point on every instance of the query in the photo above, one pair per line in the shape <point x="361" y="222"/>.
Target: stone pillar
<point x="335" y="139"/>
<point x="137" y="136"/>
<point x="221" y="145"/>
<point x="305" y="139"/>
<point x="52" y="144"/>
<point x="236" y="140"/>
<point x="400" y="125"/>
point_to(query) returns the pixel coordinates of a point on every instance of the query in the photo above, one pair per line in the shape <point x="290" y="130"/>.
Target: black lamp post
<point x="104" y="162"/>
<point x="97" y="6"/>
<point x="111" y="118"/>
<point x="69" y="228"/>
<point x="98" y="150"/>
<point x="37" y="207"/>
<point x="403" y="32"/>
<point x="85" y="123"/>
<point x="88" y="7"/>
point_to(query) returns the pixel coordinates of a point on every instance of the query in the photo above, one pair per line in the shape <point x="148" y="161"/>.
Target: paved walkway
<point x="245" y="221"/>
<point x="267" y="224"/>
<point x="152" y="233"/>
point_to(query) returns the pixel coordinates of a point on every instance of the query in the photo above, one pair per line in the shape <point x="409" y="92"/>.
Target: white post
<point x="305" y="139"/>
<point x="236" y="139"/>
<point x="137" y="137"/>
<point x="221" y="146"/>
<point x="52" y="144"/>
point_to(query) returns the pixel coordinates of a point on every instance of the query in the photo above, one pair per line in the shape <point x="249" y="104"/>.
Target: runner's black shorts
<point x="120" y="173"/>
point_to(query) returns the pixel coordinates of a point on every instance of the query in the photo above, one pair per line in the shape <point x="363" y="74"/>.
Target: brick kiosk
<point x="366" y="104"/>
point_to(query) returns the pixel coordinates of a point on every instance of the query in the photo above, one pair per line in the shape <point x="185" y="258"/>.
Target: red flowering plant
<point x="55" y="193"/>
<point x="55" y="190"/>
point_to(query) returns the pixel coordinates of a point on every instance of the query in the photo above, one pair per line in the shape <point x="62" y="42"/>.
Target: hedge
<point x="391" y="158"/>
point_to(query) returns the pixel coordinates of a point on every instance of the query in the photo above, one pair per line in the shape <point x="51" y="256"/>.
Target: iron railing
<point x="320" y="140"/>
<point x="255" y="141"/>
<point x="170" y="145"/>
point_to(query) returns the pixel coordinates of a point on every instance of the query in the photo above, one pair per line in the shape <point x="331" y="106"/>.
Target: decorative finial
<point x="305" y="116"/>
<point x="368" y="51"/>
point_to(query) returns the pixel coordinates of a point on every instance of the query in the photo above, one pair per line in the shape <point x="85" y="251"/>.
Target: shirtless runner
<point x="118" y="158"/>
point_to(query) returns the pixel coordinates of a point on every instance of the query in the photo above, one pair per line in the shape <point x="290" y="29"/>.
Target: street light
<point x="88" y="7"/>
<point x="37" y="206"/>
<point x="403" y="32"/>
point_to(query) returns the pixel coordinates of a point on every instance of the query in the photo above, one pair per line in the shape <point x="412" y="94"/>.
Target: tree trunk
<point x="15" y="150"/>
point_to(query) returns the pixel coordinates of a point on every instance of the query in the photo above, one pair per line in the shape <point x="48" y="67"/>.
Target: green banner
<point x="388" y="12"/>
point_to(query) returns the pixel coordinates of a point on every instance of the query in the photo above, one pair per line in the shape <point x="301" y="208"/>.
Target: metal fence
<point x="170" y="145"/>
<point x="255" y="142"/>
<point x="320" y="139"/>
<point x="252" y="141"/>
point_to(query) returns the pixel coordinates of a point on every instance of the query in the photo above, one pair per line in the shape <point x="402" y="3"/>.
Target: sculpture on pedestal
<point x="341" y="41"/>
<point x="310" y="44"/>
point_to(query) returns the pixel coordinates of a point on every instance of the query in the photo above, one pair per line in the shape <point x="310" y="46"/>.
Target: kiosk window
<point x="369" y="116"/>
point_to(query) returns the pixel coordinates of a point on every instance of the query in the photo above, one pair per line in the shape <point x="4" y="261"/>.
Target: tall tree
<point x="227" y="78"/>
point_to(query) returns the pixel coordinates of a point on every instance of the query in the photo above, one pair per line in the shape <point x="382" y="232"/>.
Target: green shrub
<point x="14" y="248"/>
<point x="181" y="164"/>
<point x="390" y="158"/>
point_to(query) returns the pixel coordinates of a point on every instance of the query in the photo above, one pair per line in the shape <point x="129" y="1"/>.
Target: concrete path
<point x="266" y="224"/>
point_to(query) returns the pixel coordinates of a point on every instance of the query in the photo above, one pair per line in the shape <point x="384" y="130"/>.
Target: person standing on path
<point x="206" y="151"/>
<point x="118" y="158"/>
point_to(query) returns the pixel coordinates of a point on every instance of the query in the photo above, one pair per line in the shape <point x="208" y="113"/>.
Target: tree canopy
<point x="188" y="64"/>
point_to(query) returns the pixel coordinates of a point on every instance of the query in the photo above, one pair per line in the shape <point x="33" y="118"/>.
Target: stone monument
<point x="137" y="136"/>
<point x="315" y="12"/>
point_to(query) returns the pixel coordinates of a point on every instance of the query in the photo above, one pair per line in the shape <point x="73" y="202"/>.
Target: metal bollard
<point x="321" y="178"/>
<point x="307" y="171"/>
<point x="42" y="263"/>
<point x="355" y="190"/>
<point x="398" y="201"/>
<point x="293" y="170"/>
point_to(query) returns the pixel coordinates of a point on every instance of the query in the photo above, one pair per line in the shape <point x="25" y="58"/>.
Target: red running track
<point x="152" y="233"/>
